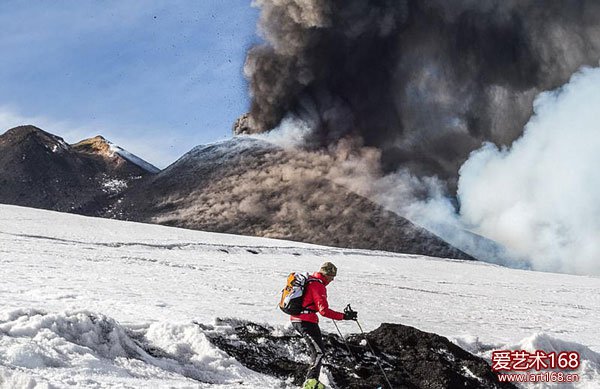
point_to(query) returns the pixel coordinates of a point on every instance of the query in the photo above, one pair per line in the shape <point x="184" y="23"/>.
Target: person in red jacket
<point x="307" y="322"/>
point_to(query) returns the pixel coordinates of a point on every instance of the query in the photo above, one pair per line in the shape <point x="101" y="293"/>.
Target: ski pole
<point x="345" y="342"/>
<point x="373" y="351"/>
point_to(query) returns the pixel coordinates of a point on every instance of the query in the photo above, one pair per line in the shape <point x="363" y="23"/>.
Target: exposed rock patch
<point x="410" y="358"/>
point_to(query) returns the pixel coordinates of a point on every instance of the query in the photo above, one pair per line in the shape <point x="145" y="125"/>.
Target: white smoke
<point x="541" y="197"/>
<point x="289" y="134"/>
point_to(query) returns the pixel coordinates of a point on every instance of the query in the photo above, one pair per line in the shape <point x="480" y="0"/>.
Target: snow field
<point x="83" y="300"/>
<point x="84" y="349"/>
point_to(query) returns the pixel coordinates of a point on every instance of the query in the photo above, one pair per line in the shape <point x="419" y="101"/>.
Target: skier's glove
<point x="350" y="315"/>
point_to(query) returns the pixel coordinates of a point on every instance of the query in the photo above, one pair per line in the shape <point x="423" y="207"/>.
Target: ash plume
<point x="423" y="81"/>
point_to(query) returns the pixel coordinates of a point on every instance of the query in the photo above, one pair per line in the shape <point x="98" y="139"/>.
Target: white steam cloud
<point x="541" y="197"/>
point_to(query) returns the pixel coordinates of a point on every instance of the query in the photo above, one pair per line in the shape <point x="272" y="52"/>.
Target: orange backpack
<point x="293" y="293"/>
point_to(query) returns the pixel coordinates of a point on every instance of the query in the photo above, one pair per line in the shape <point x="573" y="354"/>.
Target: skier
<point x="306" y="323"/>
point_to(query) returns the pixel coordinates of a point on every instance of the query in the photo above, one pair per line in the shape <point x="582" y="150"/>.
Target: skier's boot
<point x="313" y="384"/>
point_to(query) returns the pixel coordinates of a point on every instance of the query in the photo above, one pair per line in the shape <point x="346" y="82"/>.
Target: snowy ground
<point x="78" y="295"/>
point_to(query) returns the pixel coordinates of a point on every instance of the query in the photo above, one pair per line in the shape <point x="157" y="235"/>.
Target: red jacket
<point x="315" y="298"/>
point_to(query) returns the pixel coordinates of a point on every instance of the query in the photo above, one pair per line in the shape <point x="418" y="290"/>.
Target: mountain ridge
<point x="99" y="145"/>
<point x="251" y="187"/>
<point x="41" y="170"/>
<point x="240" y="186"/>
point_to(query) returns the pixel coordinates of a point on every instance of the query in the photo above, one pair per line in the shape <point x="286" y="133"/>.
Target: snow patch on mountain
<point x="114" y="185"/>
<point x="133" y="158"/>
<point x="222" y="151"/>
<point x="59" y="146"/>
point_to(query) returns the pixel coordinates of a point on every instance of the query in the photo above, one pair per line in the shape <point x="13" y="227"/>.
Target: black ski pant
<point x="312" y="335"/>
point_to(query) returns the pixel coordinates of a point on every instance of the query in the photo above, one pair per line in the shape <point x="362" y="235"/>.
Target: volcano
<point x="251" y="187"/>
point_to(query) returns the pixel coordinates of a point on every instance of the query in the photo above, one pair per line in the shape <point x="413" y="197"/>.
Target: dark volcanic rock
<point x="249" y="187"/>
<point x="410" y="358"/>
<point x="41" y="170"/>
<point x="428" y="359"/>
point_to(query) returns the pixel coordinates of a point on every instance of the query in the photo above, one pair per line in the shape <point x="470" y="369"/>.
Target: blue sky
<point x="155" y="77"/>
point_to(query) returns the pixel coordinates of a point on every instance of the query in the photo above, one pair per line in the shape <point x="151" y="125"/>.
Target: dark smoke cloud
<point x="425" y="81"/>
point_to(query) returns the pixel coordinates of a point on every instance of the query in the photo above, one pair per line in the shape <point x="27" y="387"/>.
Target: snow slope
<point x="80" y="295"/>
<point x="132" y="158"/>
